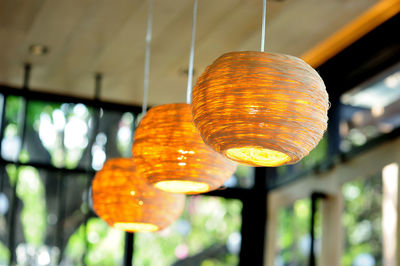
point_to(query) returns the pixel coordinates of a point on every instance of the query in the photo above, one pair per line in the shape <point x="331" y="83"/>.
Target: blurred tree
<point x="362" y="220"/>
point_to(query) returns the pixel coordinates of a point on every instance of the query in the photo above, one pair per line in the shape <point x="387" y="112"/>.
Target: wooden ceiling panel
<point x="300" y="25"/>
<point x="88" y="36"/>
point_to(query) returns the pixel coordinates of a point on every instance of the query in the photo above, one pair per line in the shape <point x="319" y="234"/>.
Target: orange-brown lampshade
<point x="125" y="201"/>
<point x="260" y="109"/>
<point x="170" y="153"/>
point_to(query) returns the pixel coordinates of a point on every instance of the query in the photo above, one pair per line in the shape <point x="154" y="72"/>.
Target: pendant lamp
<point x="260" y="109"/>
<point x="124" y="199"/>
<point x="170" y="153"/>
<point x="127" y="202"/>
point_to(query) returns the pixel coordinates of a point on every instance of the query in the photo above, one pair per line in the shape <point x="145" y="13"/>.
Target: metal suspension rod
<point x="147" y="58"/>
<point x="191" y="57"/>
<point x="96" y="123"/>
<point x="264" y="16"/>
<point x="22" y="132"/>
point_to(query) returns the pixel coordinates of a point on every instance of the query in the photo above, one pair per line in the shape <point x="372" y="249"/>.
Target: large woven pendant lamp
<point x="127" y="202"/>
<point x="260" y="109"/>
<point x="171" y="154"/>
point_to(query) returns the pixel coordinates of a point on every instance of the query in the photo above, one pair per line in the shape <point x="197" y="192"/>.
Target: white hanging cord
<point x="147" y="58"/>
<point x="264" y="15"/>
<point x="191" y="57"/>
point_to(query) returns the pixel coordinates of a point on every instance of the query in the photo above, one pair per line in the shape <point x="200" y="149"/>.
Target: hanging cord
<point x="191" y="57"/>
<point x="147" y="58"/>
<point x="264" y="15"/>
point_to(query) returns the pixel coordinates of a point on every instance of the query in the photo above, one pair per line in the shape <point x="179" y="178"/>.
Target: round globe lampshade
<point x="260" y="109"/>
<point x="170" y="153"/>
<point x="125" y="201"/>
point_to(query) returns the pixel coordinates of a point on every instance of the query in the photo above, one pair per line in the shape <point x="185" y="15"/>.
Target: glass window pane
<point x="242" y="178"/>
<point x="208" y="233"/>
<point x="5" y="200"/>
<point x="362" y="220"/>
<point x="371" y="109"/>
<point x="34" y="232"/>
<point x="293" y="247"/>
<point x="105" y="244"/>
<point x="114" y="138"/>
<point x="74" y="212"/>
<point x="315" y="157"/>
<point x="11" y="141"/>
<point x="63" y="130"/>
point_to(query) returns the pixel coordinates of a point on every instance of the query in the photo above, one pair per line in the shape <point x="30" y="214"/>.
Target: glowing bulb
<point x="259" y="156"/>
<point x="136" y="227"/>
<point x="181" y="186"/>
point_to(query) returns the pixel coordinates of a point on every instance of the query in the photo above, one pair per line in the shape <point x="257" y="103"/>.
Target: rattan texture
<point x="120" y="195"/>
<point x="261" y="100"/>
<point x="167" y="147"/>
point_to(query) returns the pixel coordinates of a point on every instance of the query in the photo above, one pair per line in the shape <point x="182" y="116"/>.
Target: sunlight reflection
<point x="75" y="134"/>
<point x="390" y="176"/>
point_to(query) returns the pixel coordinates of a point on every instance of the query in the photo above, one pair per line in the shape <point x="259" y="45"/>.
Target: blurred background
<point x="338" y="206"/>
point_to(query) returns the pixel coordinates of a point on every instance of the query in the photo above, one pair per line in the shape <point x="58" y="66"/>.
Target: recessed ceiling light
<point x="185" y="71"/>
<point x="38" y="49"/>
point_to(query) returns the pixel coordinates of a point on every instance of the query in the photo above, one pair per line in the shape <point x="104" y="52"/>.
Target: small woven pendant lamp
<point x="260" y="109"/>
<point x="170" y="153"/>
<point x="124" y="199"/>
<point x="127" y="202"/>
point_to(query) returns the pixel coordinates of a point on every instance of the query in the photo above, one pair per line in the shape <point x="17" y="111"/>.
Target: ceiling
<point x="88" y="36"/>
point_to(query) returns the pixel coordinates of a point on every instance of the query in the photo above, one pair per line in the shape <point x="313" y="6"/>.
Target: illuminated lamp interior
<point x="136" y="227"/>
<point x="258" y="156"/>
<point x="182" y="186"/>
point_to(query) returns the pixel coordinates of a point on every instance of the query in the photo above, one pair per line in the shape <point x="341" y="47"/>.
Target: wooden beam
<point x="271" y="237"/>
<point x="390" y="214"/>
<point x="329" y="183"/>
<point x="332" y="231"/>
<point x="373" y="17"/>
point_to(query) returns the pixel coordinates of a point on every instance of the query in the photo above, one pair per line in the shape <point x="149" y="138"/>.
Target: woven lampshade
<point x="170" y="153"/>
<point x="260" y="109"/>
<point x="125" y="201"/>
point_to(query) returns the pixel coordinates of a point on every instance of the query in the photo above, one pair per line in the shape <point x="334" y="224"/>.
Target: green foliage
<point x="31" y="191"/>
<point x="293" y="228"/>
<point x="124" y="140"/>
<point x="12" y="173"/>
<point x="13" y="107"/>
<point x="243" y="171"/>
<point x="245" y="176"/>
<point x="105" y="244"/>
<point x="36" y="108"/>
<point x="206" y="222"/>
<point x="76" y="246"/>
<point x="4" y="254"/>
<point x="24" y="156"/>
<point x="362" y="219"/>
<point x="317" y="155"/>
<point x="229" y="259"/>
<point x="11" y="130"/>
